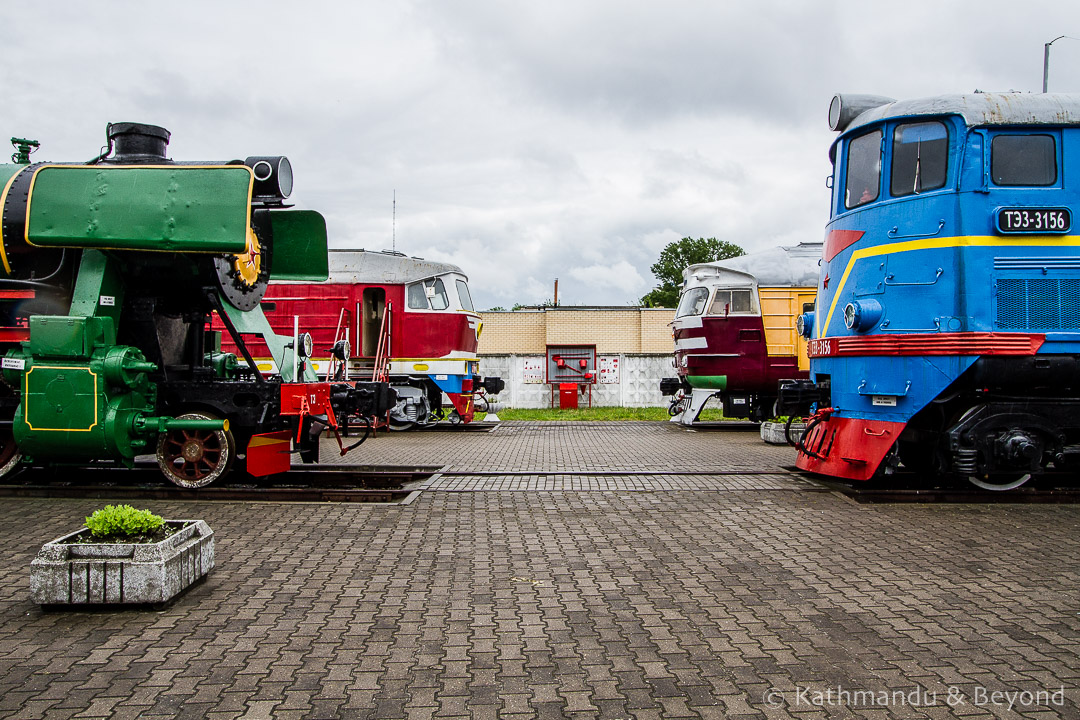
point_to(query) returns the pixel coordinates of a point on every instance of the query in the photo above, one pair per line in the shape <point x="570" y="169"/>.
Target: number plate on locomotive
<point x="1033" y="220"/>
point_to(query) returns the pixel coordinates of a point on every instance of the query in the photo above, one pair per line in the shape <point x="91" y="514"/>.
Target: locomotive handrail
<point x="863" y="390"/>
<point x="937" y="327"/>
<point x="895" y="232"/>
<point x="334" y="365"/>
<point x="382" y="350"/>
<point x="937" y="277"/>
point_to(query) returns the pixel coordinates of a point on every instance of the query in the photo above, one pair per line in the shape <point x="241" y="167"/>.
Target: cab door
<point x="803" y="301"/>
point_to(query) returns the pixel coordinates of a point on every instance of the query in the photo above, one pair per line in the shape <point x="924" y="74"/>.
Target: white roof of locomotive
<point x="794" y="266"/>
<point x="383" y="268"/>
<point x="979" y="109"/>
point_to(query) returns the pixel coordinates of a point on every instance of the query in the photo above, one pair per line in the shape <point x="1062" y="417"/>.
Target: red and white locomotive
<point x="409" y="320"/>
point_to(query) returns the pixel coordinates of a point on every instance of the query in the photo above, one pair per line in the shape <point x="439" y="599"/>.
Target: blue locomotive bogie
<point x="948" y="319"/>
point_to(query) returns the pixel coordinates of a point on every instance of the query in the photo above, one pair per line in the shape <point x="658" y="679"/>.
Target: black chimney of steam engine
<point x="137" y="143"/>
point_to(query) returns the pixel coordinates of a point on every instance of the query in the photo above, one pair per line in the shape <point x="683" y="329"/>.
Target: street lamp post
<point x="1046" y="58"/>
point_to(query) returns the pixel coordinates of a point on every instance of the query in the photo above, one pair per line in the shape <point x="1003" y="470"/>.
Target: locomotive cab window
<point x="1029" y="160"/>
<point x="863" y="181"/>
<point x="436" y="293"/>
<point x="463" y="295"/>
<point x="428" y="295"/>
<point x="731" y="302"/>
<point x="417" y="297"/>
<point x="693" y="302"/>
<point x="920" y="153"/>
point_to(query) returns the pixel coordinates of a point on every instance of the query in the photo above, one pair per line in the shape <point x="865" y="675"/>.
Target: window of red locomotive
<point x="732" y="302"/>
<point x="862" y="183"/>
<point x="417" y="299"/>
<point x="428" y="295"/>
<point x="920" y="158"/>
<point x="439" y="300"/>
<point x="1023" y="160"/>
<point x="463" y="295"/>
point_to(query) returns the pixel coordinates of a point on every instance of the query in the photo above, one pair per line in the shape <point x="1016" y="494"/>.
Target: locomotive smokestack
<point x="137" y="143"/>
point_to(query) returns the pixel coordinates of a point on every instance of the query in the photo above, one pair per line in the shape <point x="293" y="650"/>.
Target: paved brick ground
<point x="580" y="446"/>
<point x="748" y="595"/>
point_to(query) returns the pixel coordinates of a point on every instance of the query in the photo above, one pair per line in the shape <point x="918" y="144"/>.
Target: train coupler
<point x="797" y="397"/>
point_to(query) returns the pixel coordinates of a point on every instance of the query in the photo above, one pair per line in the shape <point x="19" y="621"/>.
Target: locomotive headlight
<point x="851" y="315"/>
<point x="804" y="324"/>
<point x="306" y="345"/>
<point x="862" y="315"/>
<point x="342" y="350"/>
<point x="273" y="177"/>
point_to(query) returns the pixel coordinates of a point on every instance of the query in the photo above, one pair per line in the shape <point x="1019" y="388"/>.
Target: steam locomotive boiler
<point x="110" y="271"/>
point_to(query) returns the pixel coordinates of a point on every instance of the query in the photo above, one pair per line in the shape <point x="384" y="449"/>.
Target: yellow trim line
<point x="940" y="244"/>
<point x="27" y="396"/>
<point x="3" y="204"/>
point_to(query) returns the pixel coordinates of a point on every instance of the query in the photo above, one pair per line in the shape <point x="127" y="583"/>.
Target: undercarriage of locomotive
<point x="420" y="401"/>
<point x="995" y="443"/>
<point x="1002" y="422"/>
<point x="687" y="402"/>
<point x="417" y="403"/>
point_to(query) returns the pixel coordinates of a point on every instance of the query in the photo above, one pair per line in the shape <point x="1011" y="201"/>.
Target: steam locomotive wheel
<point x="195" y="458"/>
<point x="1009" y="482"/>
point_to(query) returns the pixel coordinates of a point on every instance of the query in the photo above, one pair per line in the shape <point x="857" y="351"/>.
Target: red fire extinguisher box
<point x="568" y="395"/>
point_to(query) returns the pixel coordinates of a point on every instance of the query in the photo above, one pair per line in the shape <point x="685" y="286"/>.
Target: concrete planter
<point x="68" y="573"/>
<point x="773" y="432"/>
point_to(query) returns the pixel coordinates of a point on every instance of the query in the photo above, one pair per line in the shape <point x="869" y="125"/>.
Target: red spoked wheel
<point x="195" y="458"/>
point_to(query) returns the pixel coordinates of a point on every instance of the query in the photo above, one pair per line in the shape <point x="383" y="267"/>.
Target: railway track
<point x="305" y="483"/>
<point x="910" y="488"/>
<point x="402" y="484"/>
<point x="725" y="426"/>
<point x="444" y="426"/>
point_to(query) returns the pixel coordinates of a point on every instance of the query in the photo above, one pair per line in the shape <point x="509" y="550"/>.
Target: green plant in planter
<point x="123" y="521"/>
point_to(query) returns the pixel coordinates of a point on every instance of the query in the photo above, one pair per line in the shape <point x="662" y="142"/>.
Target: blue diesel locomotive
<point x="946" y="334"/>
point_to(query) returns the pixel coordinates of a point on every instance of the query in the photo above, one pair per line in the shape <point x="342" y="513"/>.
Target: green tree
<point x="675" y="258"/>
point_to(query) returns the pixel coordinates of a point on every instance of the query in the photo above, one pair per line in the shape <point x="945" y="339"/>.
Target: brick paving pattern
<point x="579" y="446"/>
<point x="748" y="595"/>
<point x="561" y="482"/>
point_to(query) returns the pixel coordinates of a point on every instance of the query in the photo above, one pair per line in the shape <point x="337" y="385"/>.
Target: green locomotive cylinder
<point x="84" y="396"/>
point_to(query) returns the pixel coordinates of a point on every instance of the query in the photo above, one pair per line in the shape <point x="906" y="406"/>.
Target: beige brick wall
<point x="612" y="330"/>
<point x="656" y="331"/>
<point x="522" y="332"/>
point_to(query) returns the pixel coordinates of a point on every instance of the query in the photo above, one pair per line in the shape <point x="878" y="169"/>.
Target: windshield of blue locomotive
<point x="920" y="152"/>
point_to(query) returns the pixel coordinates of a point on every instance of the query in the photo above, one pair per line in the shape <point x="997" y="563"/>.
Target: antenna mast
<point x="393" y="232"/>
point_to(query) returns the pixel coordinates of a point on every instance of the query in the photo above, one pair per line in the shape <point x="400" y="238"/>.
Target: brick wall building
<point x="633" y="344"/>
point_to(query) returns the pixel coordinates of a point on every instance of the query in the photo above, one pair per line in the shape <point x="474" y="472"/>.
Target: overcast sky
<point x="525" y="141"/>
